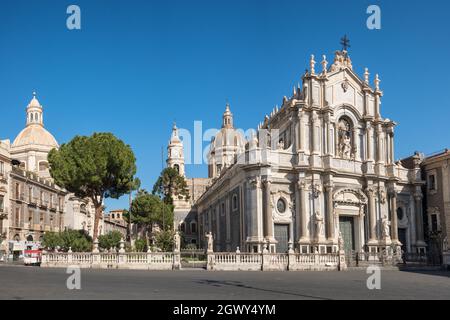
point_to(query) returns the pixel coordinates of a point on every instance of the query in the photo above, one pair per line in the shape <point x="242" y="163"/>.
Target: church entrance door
<point x="402" y="238"/>
<point x="282" y="237"/>
<point x="347" y="229"/>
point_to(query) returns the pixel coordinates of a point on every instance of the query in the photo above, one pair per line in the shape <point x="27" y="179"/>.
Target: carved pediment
<point x="350" y="196"/>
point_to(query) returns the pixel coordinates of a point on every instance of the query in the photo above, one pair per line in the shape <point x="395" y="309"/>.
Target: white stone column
<point x="372" y="215"/>
<point x="369" y="143"/>
<point x="315" y="132"/>
<point x="355" y="142"/>
<point x="228" y="224"/>
<point x="330" y="212"/>
<point x="301" y="131"/>
<point x="304" y="236"/>
<point x="379" y="156"/>
<point x="336" y="140"/>
<point x="268" y="219"/>
<point x="329" y="136"/>
<point x="391" y="141"/>
<point x="394" y="219"/>
<point x="419" y="217"/>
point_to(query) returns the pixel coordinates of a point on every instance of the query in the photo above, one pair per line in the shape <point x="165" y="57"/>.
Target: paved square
<point x="40" y="283"/>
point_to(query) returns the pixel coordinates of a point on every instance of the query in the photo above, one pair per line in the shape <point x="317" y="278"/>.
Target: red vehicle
<point x="32" y="257"/>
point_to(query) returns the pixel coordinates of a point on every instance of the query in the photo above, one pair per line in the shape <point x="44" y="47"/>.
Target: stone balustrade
<point x="230" y="261"/>
<point x="137" y="260"/>
<point x="216" y="261"/>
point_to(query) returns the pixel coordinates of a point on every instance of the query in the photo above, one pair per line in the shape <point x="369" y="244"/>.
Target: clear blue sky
<point x="136" y="66"/>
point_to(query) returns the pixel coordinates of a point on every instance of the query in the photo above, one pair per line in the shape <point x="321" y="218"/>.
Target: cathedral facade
<point x="318" y="170"/>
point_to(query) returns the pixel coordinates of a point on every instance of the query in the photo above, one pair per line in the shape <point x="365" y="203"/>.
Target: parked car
<point x="32" y="257"/>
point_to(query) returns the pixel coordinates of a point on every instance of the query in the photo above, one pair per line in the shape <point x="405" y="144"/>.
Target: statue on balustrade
<point x="386" y="225"/>
<point x="210" y="241"/>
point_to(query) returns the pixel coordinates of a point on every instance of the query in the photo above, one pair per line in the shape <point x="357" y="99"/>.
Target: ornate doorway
<point x="282" y="237"/>
<point x="347" y="229"/>
<point x="402" y="238"/>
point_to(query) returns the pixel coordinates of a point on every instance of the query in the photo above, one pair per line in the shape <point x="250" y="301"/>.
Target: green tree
<point x="110" y="240"/>
<point x="77" y="240"/>
<point x="52" y="240"/>
<point x="148" y="209"/>
<point x="171" y="185"/>
<point x="96" y="167"/>
<point x="164" y="240"/>
<point x="140" y="245"/>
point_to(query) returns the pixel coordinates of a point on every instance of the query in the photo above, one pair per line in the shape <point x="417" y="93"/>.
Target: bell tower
<point x="34" y="112"/>
<point x="175" y="152"/>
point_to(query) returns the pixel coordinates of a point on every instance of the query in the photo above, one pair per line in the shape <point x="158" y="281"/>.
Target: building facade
<point x="32" y="203"/>
<point x="436" y="173"/>
<point x="5" y="168"/>
<point x="318" y="170"/>
<point x="114" y="221"/>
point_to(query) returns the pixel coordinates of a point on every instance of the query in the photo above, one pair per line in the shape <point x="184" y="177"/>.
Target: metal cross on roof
<point x="345" y="42"/>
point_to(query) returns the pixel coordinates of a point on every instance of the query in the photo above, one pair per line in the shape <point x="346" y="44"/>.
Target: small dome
<point x="34" y="103"/>
<point x="35" y="135"/>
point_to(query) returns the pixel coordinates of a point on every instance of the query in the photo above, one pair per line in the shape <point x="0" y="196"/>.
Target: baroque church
<point x="319" y="171"/>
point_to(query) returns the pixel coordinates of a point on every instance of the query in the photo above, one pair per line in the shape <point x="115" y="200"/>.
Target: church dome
<point x="35" y="135"/>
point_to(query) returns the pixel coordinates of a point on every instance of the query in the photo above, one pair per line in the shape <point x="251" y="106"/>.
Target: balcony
<point x="3" y="213"/>
<point x="44" y="204"/>
<point x="33" y="201"/>
<point x="3" y="177"/>
<point x="20" y="197"/>
<point x="53" y="207"/>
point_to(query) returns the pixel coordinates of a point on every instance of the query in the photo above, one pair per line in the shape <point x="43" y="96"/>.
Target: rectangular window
<point x="432" y="182"/>
<point x="2" y="208"/>
<point x="17" y="191"/>
<point x="434" y="223"/>
<point x="2" y="167"/>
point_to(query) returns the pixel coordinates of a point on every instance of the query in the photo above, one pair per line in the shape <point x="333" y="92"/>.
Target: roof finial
<point x="377" y="82"/>
<point x="34" y="93"/>
<point x="324" y="64"/>
<point x="366" y="75"/>
<point x="312" y="64"/>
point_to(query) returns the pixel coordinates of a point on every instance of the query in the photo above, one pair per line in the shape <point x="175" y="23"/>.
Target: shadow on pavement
<point x="239" y="284"/>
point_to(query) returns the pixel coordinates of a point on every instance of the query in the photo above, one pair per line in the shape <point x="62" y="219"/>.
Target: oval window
<point x="281" y="206"/>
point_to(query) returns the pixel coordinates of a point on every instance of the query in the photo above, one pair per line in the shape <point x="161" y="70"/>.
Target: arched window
<point x="43" y="166"/>
<point x="399" y="213"/>
<point x="182" y="227"/>
<point x="234" y="202"/>
<point x="30" y="238"/>
<point x="31" y="117"/>
<point x="345" y="136"/>
<point x="193" y="227"/>
<point x="177" y="167"/>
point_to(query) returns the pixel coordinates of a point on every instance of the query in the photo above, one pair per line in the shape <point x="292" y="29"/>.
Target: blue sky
<point x="136" y="66"/>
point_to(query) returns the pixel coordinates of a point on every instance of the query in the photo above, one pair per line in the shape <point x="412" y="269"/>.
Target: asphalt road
<point x="17" y="282"/>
